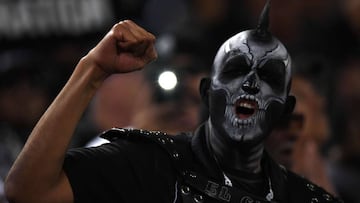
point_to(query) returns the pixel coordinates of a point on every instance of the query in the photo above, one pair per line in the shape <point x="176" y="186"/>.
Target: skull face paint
<point x="251" y="75"/>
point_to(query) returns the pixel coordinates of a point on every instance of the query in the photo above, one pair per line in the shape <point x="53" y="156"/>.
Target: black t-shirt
<point x="148" y="167"/>
<point x="121" y="171"/>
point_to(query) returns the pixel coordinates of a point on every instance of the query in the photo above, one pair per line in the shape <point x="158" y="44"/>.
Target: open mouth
<point x="245" y="107"/>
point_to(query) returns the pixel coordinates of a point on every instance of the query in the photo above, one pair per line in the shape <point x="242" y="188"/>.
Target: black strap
<point x="219" y="191"/>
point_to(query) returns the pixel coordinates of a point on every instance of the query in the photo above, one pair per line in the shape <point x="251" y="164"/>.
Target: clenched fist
<point x="126" y="47"/>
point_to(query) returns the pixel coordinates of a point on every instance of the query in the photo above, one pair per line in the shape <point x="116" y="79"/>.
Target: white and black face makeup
<point x="249" y="86"/>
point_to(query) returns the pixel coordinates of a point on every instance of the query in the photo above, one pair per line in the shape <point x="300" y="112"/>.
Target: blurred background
<point x="41" y="42"/>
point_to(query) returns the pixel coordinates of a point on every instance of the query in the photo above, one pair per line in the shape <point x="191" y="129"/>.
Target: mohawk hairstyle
<point x="262" y="30"/>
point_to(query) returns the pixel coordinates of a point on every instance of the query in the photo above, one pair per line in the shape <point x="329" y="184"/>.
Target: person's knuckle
<point x="128" y="21"/>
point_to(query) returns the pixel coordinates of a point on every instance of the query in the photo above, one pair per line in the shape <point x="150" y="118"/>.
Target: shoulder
<point x="175" y="145"/>
<point x="132" y="156"/>
<point x="140" y="135"/>
<point x="303" y="190"/>
<point x="124" y="143"/>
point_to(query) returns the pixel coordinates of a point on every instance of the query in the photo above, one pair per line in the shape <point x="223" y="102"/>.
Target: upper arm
<point x="62" y="192"/>
<point x="59" y="191"/>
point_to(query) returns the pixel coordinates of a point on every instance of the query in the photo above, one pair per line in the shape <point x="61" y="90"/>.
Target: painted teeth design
<point x="242" y="123"/>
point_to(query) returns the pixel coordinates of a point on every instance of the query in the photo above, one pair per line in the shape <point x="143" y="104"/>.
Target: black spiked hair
<point x="262" y="29"/>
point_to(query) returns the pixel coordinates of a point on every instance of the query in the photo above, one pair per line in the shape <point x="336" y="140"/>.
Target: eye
<point x="273" y="72"/>
<point x="234" y="68"/>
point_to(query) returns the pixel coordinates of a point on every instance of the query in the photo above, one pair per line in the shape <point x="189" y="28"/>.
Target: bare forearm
<point x="41" y="160"/>
<point x="37" y="174"/>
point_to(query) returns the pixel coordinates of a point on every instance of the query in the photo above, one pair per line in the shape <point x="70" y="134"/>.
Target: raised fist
<point x="126" y="47"/>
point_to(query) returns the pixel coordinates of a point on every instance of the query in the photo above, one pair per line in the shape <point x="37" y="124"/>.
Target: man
<point x="223" y="161"/>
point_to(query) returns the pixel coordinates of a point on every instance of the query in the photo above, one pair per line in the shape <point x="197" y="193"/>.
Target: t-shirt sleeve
<point x="120" y="171"/>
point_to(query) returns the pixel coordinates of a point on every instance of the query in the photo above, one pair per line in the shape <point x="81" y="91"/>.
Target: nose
<point x="250" y="84"/>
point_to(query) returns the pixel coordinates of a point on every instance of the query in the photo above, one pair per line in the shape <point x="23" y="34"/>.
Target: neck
<point x="232" y="155"/>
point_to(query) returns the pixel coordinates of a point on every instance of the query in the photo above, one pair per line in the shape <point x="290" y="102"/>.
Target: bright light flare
<point x="167" y="80"/>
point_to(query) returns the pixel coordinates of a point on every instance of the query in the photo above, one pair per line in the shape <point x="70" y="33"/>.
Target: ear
<point x="289" y="105"/>
<point x="204" y="90"/>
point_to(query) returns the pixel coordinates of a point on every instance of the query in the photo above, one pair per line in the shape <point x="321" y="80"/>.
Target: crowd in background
<point x="322" y="36"/>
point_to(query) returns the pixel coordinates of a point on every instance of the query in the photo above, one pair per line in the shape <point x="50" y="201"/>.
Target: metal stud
<point x="310" y="186"/>
<point x="192" y="175"/>
<point x="162" y="140"/>
<point x="185" y="190"/>
<point x="175" y="155"/>
<point x="327" y="197"/>
<point x="198" y="198"/>
<point x="170" y="140"/>
<point x="314" y="200"/>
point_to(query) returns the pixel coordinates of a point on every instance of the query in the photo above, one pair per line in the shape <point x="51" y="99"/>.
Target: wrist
<point x="92" y="72"/>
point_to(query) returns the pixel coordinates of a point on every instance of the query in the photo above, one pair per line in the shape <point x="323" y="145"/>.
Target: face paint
<point x="251" y="75"/>
<point x="248" y="94"/>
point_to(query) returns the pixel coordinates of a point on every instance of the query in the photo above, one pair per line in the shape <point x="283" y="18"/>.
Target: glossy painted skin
<point x="248" y="93"/>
